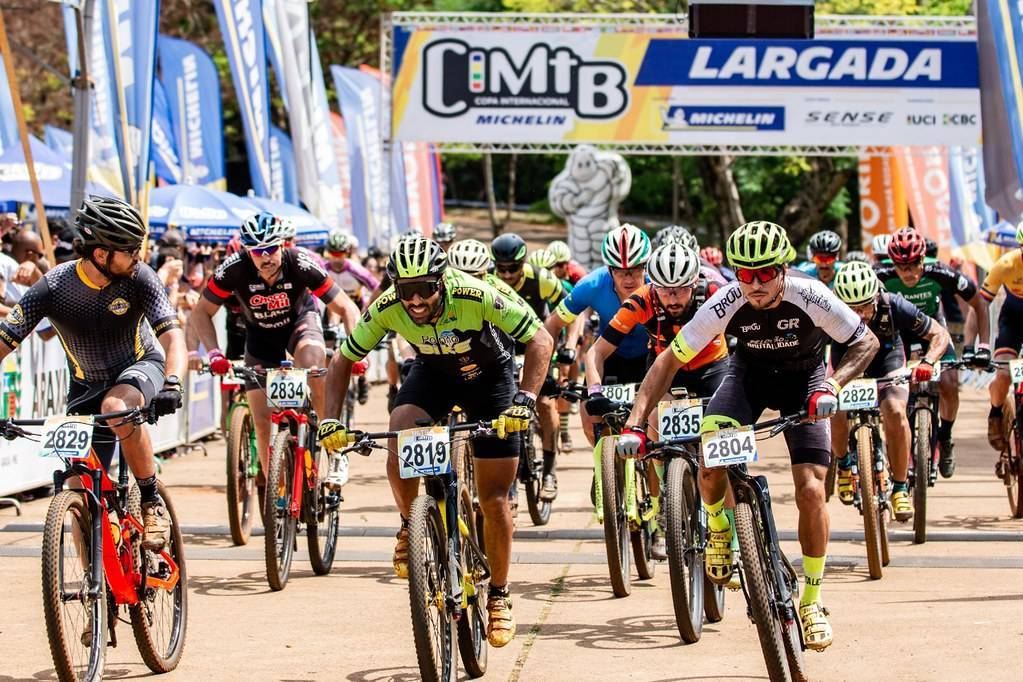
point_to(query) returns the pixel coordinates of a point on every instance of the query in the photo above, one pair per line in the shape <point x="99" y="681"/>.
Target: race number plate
<point x="1016" y="371"/>
<point x="679" y="418"/>
<point x="286" y="388"/>
<point x="860" y="394"/>
<point x="67" y="437"/>
<point x="424" y="452"/>
<point x="936" y="372"/>
<point x="620" y="393"/>
<point x="729" y="446"/>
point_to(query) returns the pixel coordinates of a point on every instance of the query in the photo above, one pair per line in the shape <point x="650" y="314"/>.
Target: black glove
<point x="566" y="356"/>
<point x="550" y="388"/>
<point x="968" y="355"/>
<point x="405" y="367"/>
<point x="597" y="405"/>
<point x="981" y="357"/>
<point x="168" y="400"/>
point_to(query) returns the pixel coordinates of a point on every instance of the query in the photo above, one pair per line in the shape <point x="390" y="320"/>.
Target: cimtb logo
<point x="457" y="78"/>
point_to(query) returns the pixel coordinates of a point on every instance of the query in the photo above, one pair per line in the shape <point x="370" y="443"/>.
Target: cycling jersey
<point x="597" y="292"/>
<point x="465" y="341"/>
<point x="271" y="307"/>
<point x="893" y="316"/>
<point x="574" y="272"/>
<point x="354" y="279"/>
<point x="790" y="335"/>
<point x="1008" y="272"/>
<point x="926" y="295"/>
<point x="505" y="290"/>
<point x="540" y="289"/>
<point x="644" y="309"/>
<point x="100" y="327"/>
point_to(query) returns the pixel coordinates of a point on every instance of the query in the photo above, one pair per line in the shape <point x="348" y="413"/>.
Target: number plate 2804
<point x="729" y="446"/>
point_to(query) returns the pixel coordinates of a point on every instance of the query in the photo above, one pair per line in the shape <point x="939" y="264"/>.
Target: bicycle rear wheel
<point x="685" y="560"/>
<point x="869" y="501"/>
<point x="1014" y="469"/>
<point x="76" y="624"/>
<point x="281" y="526"/>
<point x="472" y="626"/>
<point x="433" y="629"/>
<point x="921" y="465"/>
<point x="616" y="525"/>
<point x="241" y="484"/>
<point x="539" y="510"/>
<point x="642" y="537"/>
<point x="160" y="618"/>
<point x="758" y="580"/>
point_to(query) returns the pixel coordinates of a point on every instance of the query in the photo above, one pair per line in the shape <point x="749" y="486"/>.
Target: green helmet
<point x="542" y="258"/>
<point x="758" y="245"/>
<point x="856" y="283"/>
<point x="1019" y="232"/>
<point x="560" y="251"/>
<point x="415" y="256"/>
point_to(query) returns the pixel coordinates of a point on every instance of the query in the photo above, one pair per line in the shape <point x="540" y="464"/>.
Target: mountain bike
<point x="530" y="473"/>
<point x="1009" y="467"/>
<point x="242" y="463"/>
<point x="449" y="574"/>
<point x="295" y="491"/>
<point x="93" y="564"/>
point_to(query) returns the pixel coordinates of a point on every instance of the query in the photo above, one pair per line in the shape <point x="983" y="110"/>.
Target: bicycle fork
<point x="783" y="586"/>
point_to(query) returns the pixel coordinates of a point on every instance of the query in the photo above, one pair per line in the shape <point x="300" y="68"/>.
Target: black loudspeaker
<point x="713" y="20"/>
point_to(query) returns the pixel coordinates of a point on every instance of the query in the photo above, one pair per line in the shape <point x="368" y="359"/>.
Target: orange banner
<point x="882" y="201"/>
<point x="924" y="172"/>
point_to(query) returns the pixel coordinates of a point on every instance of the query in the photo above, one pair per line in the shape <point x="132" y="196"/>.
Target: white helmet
<point x="470" y="255"/>
<point x="673" y="265"/>
<point x="879" y="245"/>
<point x="676" y="234"/>
<point x="560" y="251"/>
<point x="625" y="246"/>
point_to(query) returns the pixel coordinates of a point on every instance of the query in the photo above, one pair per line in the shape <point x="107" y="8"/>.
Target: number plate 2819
<point x="424" y="452"/>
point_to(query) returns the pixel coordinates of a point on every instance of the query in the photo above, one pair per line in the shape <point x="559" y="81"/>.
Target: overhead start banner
<point x="651" y="85"/>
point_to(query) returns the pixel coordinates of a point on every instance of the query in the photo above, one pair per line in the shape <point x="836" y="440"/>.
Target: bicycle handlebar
<point x="15" y="428"/>
<point x="364" y="439"/>
<point x="776" y="426"/>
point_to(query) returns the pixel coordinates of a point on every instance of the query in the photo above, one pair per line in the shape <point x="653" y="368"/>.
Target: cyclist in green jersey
<point x="460" y="328"/>
<point x="472" y="257"/>
<point x="922" y="284"/>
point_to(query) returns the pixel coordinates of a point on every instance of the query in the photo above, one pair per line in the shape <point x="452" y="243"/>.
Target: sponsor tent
<point x="203" y="214"/>
<point x="53" y="169"/>
<point x="310" y="230"/>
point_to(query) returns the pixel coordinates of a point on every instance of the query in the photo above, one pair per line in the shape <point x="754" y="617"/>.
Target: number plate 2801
<point x="424" y="452"/>
<point x="729" y="446"/>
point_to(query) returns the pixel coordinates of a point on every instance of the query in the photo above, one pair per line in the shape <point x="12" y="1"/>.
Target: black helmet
<point x="931" y="250"/>
<point x="508" y="248"/>
<point x="110" y="223"/>
<point x="825" y="241"/>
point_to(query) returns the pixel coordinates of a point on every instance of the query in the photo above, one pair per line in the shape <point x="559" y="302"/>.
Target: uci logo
<point x="458" y="77"/>
<point x="789" y="324"/>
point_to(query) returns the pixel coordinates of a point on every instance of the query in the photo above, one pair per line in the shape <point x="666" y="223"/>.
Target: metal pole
<point x="125" y="152"/>
<point x="37" y="195"/>
<point x="82" y="100"/>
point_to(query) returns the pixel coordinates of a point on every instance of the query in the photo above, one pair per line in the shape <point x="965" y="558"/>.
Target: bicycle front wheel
<point x="433" y="628"/>
<point x="76" y="624"/>
<point x="685" y="560"/>
<point x="281" y="526"/>
<point x="616" y="525"/>
<point x="241" y="483"/>
<point x="921" y="464"/>
<point x="1014" y="469"/>
<point x="159" y="620"/>
<point x="869" y="501"/>
<point x="325" y="514"/>
<point x="472" y="626"/>
<point x="539" y="510"/>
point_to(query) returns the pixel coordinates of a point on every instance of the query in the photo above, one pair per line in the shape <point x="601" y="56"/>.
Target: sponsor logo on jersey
<point x="258" y="286"/>
<point x="16" y="316"/>
<point x="962" y="283"/>
<point x="720" y="308"/>
<point x="777" y="343"/>
<point x="118" y="306"/>
<point x="755" y="327"/>
<point x="810" y="296"/>
<point x="792" y="323"/>
<point x="679" y="117"/>
<point x="470" y="293"/>
<point x="272" y="302"/>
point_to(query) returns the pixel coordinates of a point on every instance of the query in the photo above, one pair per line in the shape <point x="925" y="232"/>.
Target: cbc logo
<point x="959" y="119"/>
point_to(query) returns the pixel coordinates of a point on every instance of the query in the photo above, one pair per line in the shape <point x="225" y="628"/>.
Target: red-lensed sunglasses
<point x="747" y="275"/>
<point x="824" y="258"/>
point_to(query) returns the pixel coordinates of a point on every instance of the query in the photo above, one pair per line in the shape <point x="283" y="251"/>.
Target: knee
<point x="810" y="494"/>
<point x="893" y="409"/>
<point x="114" y="403"/>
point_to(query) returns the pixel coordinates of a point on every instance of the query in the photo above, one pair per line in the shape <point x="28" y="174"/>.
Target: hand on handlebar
<point x="597" y="405"/>
<point x="333" y="435"/>
<point x="219" y="364"/>
<point x="923" y="372"/>
<point x="632" y="442"/>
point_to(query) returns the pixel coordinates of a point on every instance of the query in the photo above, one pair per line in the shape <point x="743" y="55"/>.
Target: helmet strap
<point x="781" y="290"/>
<point x="103" y="269"/>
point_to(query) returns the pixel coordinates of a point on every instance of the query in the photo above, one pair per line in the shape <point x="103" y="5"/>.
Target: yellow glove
<point x="512" y="420"/>
<point x="333" y="435"/>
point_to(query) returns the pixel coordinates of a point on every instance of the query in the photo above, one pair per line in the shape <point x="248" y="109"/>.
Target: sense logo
<point x="458" y="77"/>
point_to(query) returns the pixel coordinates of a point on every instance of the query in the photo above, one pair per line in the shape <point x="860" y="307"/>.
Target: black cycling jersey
<point x="100" y="327"/>
<point x="271" y="307"/>
<point x="937" y="280"/>
<point x="540" y="289"/>
<point x="893" y="317"/>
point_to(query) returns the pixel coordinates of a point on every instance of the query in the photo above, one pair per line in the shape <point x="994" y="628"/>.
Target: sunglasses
<point x="337" y="254"/>
<point x="408" y="290"/>
<point x="635" y="272"/>
<point x="264" y="250"/>
<point x="824" y="258"/>
<point x="672" y="291"/>
<point x="764" y="275"/>
<point x="509" y="268"/>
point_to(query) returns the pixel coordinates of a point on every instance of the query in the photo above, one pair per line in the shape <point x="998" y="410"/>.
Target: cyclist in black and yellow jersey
<point x="461" y="329"/>
<point x="542" y="290"/>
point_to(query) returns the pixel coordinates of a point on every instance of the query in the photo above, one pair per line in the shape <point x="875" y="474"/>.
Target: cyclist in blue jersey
<point x="625" y="251"/>
<point x="823" y="264"/>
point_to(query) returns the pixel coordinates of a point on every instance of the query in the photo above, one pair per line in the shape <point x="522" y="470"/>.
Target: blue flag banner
<point x="8" y="122"/>
<point x="164" y="148"/>
<point x="192" y="88"/>
<point x="59" y="140"/>
<point x="283" y="178"/>
<point x="273" y="46"/>
<point x="1000" y="41"/>
<point x="241" y="24"/>
<point x="969" y="215"/>
<point x="399" y="194"/>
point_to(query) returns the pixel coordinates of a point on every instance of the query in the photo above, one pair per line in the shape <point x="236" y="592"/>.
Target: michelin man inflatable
<point x="587" y="194"/>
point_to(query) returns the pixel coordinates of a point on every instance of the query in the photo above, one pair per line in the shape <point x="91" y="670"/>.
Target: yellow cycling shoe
<point x="816" y="630"/>
<point x="902" y="506"/>
<point x="400" y="559"/>
<point x="718" y="560"/>
<point x="846" y="485"/>
<point x="501" y="621"/>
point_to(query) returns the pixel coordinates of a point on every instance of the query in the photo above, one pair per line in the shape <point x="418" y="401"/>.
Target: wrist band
<point x="531" y="396"/>
<point x="594" y="388"/>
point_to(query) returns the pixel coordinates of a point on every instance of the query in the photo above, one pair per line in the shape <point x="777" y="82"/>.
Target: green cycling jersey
<point x="937" y="279"/>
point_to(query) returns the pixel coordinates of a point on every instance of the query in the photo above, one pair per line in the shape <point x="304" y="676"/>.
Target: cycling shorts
<point x="1010" y="326"/>
<point x="267" y="349"/>
<point x="483" y="398"/>
<point x="620" y="370"/>
<point x="701" y="382"/>
<point x="748" y="390"/>
<point x="146" y="376"/>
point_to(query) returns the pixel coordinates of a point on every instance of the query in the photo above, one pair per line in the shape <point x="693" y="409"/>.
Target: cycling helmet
<point x="712" y="255"/>
<point x="508" y="248"/>
<point x="541" y="258"/>
<point x="262" y="229"/>
<point x="759" y="244"/>
<point x="110" y="223"/>
<point x="444" y="233"/>
<point x="339" y="241"/>
<point x="625" y="246"/>
<point x="288" y="229"/>
<point x="676" y="234"/>
<point x="562" y="254"/>
<point x="470" y="255"/>
<point x="825" y="241"/>
<point x="416" y="256"/>
<point x="879" y="245"/>
<point x="856" y="283"/>
<point x="931" y="248"/>
<point x="907" y="246"/>
<point x="857" y="257"/>
<point x="673" y="265"/>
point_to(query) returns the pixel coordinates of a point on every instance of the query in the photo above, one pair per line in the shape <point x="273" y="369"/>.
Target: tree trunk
<point x="488" y="184"/>
<point x="719" y="183"/>
<point x="676" y="180"/>
<point x="804" y="212"/>
<point x="512" y="163"/>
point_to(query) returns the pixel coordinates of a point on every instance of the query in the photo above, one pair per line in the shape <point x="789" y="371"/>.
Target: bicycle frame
<point x="871" y="420"/>
<point x="303" y="460"/>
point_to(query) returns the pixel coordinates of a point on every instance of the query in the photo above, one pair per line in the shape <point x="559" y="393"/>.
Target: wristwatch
<point x="172" y="381"/>
<point x="523" y="399"/>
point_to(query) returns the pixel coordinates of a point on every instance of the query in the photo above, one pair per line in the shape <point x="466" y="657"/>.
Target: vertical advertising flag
<point x="398" y="204"/>
<point x="318" y="182"/>
<point x="1000" y="39"/>
<point x="8" y="121"/>
<point x="419" y="186"/>
<point x="882" y="202"/>
<point x="164" y="148"/>
<point x="273" y="46"/>
<point x="359" y="97"/>
<point x="283" y="178"/>
<point x="241" y="24"/>
<point x="192" y="88"/>
<point x="344" y="170"/>
<point x="924" y="172"/>
<point x="970" y="216"/>
<point x="59" y="140"/>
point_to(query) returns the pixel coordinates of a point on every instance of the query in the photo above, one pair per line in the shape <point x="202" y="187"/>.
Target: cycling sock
<point x="717" y="520"/>
<point x="813" y="575"/>
<point x="900" y="485"/>
<point x="846" y="462"/>
<point x="945" y="429"/>
<point x="147" y="488"/>
<point x="564" y="422"/>
<point x="730" y="513"/>
<point x="995" y="411"/>
<point x="548" y="462"/>
<point x="498" y="591"/>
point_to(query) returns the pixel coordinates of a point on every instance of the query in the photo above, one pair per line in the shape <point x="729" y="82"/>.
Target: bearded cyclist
<point x="823" y="264"/>
<point x="781" y="324"/>
<point x="460" y="328"/>
<point x="922" y="284"/>
<point x="98" y="304"/>
<point x="275" y="286"/>
<point x="888" y="316"/>
<point x="539" y="288"/>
